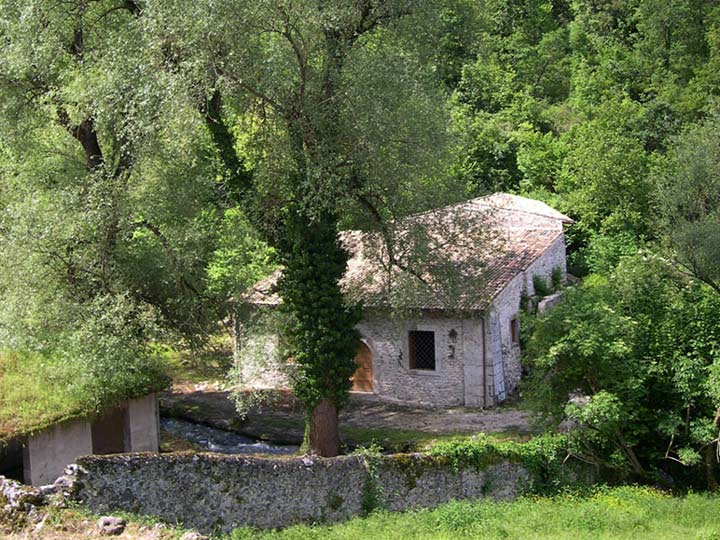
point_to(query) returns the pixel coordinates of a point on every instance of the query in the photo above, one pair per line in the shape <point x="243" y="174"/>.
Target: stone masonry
<point x="212" y="492"/>
<point x="477" y="349"/>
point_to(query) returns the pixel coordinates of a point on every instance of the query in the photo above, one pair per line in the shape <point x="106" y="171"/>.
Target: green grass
<point x="209" y="365"/>
<point x="37" y="390"/>
<point x="619" y="513"/>
<point x="34" y="393"/>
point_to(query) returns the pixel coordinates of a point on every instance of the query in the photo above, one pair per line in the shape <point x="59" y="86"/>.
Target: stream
<point x="218" y="440"/>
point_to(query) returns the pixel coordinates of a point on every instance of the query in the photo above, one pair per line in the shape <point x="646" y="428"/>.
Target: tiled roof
<point x="458" y="257"/>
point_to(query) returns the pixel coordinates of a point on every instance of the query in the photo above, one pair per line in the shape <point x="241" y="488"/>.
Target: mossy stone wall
<point x="214" y="492"/>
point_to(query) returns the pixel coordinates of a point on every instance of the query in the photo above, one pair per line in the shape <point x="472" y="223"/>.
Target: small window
<point x="515" y="330"/>
<point x="421" y="349"/>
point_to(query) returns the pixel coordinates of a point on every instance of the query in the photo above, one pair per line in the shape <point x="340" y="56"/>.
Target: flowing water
<point x="218" y="440"/>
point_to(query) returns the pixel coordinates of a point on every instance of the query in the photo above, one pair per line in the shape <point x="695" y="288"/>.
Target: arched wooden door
<point x="363" y="378"/>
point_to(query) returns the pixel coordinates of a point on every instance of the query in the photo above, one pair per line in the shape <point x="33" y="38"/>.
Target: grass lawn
<point x="37" y="390"/>
<point x="619" y="513"/>
<point x="625" y="513"/>
<point x="208" y="366"/>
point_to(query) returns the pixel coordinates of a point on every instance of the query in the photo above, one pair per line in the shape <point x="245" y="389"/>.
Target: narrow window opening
<point x="421" y="348"/>
<point x="515" y="330"/>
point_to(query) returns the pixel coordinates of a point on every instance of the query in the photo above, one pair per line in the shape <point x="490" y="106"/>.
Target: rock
<point x="67" y="484"/>
<point x="41" y="525"/>
<point x="548" y="302"/>
<point x="19" y="496"/>
<point x="111" y="526"/>
<point x="192" y="535"/>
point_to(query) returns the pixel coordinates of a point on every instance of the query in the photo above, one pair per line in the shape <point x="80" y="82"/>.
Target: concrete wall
<point x="144" y="419"/>
<point x="47" y="453"/>
<point x="213" y="492"/>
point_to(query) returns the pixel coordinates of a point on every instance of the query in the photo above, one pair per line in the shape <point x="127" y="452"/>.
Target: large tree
<point x="340" y="121"/>
<point x="689" y="200"/>
<point x="110" y="205"/>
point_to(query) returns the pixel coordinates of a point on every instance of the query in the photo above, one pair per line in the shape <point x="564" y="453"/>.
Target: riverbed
<point x="221" y="441"/>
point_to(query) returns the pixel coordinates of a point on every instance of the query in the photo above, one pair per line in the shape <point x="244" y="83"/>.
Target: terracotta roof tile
<point x="454" y="258"/>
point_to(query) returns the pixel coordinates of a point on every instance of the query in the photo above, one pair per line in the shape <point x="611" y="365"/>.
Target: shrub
<point x="632" y="360"/>
<point x="542" y="289"/>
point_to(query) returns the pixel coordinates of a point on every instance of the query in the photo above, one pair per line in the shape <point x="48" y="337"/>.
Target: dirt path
<point x="364" y="419"/>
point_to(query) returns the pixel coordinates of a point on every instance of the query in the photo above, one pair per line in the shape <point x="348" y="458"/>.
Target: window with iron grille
<point x="421" y="349"/>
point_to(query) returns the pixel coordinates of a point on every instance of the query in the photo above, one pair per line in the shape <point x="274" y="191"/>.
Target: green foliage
<point x="628" y="359"/>
<point x="241" y="258"/>
<point x="322" y="337"/>
<point x="605" y="175"/>
<point x="373" y="497"/>
<point x="107" y="336"/>
<point x="603" y="252"/>
<point x="80" y="378"/>
<point x="346" y="114"/>
<point x="689" y="199"/>
<point x="110" y="209"/>
<point x="539" y="159"/>
<point x="541" y="286"/>
<point x="544" y="456"/>
<point x="578" y="103"/>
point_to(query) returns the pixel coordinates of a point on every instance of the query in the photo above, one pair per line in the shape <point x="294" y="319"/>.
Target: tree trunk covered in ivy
<point x="322" y="337"/>
<point x="330" y="130"/>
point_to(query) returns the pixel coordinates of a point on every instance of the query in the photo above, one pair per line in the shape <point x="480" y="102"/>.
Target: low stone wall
<point x="212" y="492"/>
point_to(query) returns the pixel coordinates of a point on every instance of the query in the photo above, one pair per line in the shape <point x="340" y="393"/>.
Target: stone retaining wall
<point x="212" y="492"/>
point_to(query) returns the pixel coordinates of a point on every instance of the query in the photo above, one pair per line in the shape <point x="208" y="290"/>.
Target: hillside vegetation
<point x="158" y="157"/>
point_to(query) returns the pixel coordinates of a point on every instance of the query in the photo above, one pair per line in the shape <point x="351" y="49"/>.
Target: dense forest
<point x="157" y="157"/>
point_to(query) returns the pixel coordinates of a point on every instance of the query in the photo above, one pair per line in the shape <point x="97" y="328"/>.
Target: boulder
<point x="111" y="526"/>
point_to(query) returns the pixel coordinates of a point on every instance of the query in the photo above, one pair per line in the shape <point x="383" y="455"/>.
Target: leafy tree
<point x="110" y="208"/>
<point x="345" y="118"/>
<point x="689" y="200"/>
<point x="631" y="359"/>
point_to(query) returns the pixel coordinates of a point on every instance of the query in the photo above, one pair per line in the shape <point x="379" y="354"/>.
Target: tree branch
<point x="258" y="94"/>
<point x="85" y="134"/>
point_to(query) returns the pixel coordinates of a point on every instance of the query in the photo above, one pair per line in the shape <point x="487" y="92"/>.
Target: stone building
<point x="440" y="325"/>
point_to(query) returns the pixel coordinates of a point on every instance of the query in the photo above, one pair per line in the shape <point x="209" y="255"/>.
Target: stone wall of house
<point x="456" y="380"/>
<point x="506" y="369"/>
<point x="387" y="339"/>
<point x="459" y="377"/>
<point x="258" y="364"/>
<point x="554" y="257"/>
<point x="213" y="492"/>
